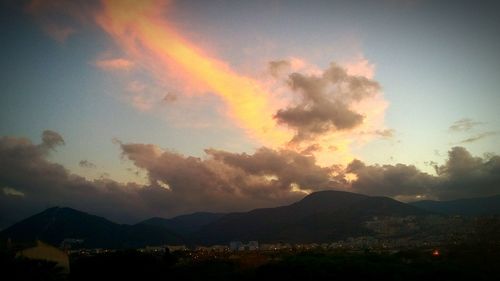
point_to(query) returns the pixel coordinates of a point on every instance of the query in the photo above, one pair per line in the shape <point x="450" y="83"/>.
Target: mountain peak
<point x="58" y="223"/>
<point x="328" y="195"/>
<point x="62" y="210"/>
<point x="337" y="214"/>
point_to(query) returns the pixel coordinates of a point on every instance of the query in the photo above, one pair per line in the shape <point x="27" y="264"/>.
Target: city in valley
<point x="429" y="241"/>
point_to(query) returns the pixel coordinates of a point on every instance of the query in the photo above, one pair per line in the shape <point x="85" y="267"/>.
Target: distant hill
<point x="320" y="216"/>
<point x="471" y="206"/>
<point x="184" y="224"/>
<point x="55" y="224"/>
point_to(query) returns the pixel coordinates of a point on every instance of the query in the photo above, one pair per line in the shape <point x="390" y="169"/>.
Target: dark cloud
<point x="311" y="149"/>
<point x="30" y="183"/>
<point x="278" y="67"/>
<point x="464" y="125"/>
<point x="86" y="164"/>
<point x="460" y="163"/>
<point x="325" y="103"/>
<point x="390" y="180"/>
<point x="228" y="181"/>
<point x="288" y="167"/>
<point x="221" y="181"/>
<point x="388" y="133"/>
<point x="61" y="18"/>
<point x="462" y="176"/>
<point x="51" y="139"/>
<point x="170" y="98"/>
<point x="25" y="170"/>
<point x="479" y="137"/>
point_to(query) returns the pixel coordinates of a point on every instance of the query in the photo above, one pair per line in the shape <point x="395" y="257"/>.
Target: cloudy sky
<point x="131" y="109"/>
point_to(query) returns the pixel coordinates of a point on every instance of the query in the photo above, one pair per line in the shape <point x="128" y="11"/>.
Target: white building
<point x="239" y="246"/>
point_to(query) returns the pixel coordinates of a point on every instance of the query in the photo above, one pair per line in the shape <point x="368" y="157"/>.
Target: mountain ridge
<point x="184" y="224"/>
<point x="338" y="213"/>
<point x="320" y="216"/>
<point x="466" y="206"/>
<point x="58" y="223"/>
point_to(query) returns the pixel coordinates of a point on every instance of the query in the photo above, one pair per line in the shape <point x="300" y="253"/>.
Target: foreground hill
<point x="55" y="224"/>
<point x="470" y="207"/>
<point x="320" y="216"/>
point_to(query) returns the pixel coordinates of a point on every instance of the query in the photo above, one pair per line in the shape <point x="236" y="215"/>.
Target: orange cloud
<point x="146" y="36"/>
<point x="147" y="41"/>
<point x="360" y="67"/>
<point x="141" y="31"/>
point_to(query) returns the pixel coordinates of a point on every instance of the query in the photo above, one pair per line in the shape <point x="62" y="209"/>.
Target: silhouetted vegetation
<point x="122" y="265"/>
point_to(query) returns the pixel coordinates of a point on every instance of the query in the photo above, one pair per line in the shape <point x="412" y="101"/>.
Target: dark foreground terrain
<point x="464" y="262"/>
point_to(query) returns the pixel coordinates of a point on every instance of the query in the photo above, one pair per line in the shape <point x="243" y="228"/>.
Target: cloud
<point x="178" y="184"/>
<point x="86" y="164"/>
<point x="360" y="67"/>
<point x="11" y="192"/>
<point x="57" y="32"/>
<point x="142" y="33"/>
<point x="387" y="133"/>
<point x="221" y="181"/>
<point x="115" y="64"/>
<point x="460" y="163"/>
<point x="269" y="114"/>
<point x="278" y="67"/>
<point x="462" y="176"/>
<point x="51" y="139"/>
<point x="170" y="98"/>
<point x="24" y="168"/>
<point x="60" y="18"/>
<point x="465" y="124"/>
<point x="288" y="167"/>
<point x="479" y="137"/>
<point x="325" y="103"/>
<point x="390" y="180"/>
<point x="311" y="149"/>
<point x="225" y="180"/>
<point x="144" y="96"/>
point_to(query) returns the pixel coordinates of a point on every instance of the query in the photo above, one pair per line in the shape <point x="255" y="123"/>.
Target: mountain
<point x="184" y="224"/>
<point x="320" y="216"/>
<point x="55" y="224"/>
<point x="471" y="206"/>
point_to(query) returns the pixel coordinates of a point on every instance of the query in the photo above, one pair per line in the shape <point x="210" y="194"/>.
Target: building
<point x="239" y="246"/>
<point x="235" y="245"/>
<point x="252" y="246"/>
<point x="174" y="248"/>
<point x="70" y="243"/>
<point x="43" y="251"/>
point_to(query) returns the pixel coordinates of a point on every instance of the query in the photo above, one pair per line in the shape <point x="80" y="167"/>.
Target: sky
<point x="132" y="109"/>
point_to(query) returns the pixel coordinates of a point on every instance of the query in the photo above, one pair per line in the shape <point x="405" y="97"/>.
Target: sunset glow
<point x="138" y="28"/>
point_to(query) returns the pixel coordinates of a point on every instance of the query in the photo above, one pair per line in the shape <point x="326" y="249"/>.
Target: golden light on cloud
<point x="143" y="33"/>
